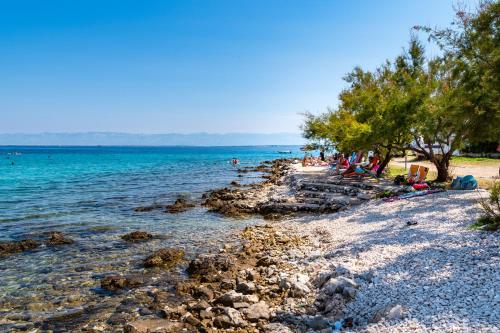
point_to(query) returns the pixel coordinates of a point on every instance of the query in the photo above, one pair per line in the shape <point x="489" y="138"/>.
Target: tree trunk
<point x="442" y="166"/>
<point x="384" y="163"/>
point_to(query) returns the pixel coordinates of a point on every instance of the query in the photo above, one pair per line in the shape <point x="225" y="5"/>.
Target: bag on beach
<point x="399" y="180"/>
<point x="464" y="183"/>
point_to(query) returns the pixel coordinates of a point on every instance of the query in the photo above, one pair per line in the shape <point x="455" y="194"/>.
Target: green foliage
<point x="450" y="101"/>
<point x="490" y="220"/>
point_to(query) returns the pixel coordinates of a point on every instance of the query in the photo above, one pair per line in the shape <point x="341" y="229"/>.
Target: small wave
<point x="35" y="216"/>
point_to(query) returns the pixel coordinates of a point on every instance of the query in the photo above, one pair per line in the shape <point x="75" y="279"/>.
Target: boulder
<point x="337" y="285"/>
<point x="257" y="311"/>
<point x="58" y="238"/>
<point x="203" y="292"/>
<point x="137" y="236"/>
<point x="246" y="287"/>
<point x="206" y="266"/>
<point x="228" y="318"/>
<point x="180" y="205"/>
<point x="297" y="285"/>
<point x="7" y="248"/>
<point x="166" y="257"/>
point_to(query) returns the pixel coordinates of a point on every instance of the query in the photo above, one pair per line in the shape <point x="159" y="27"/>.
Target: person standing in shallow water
<point x="322" y="154"/>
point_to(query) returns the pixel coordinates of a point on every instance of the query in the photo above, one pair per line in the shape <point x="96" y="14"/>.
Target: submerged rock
<point x="7" y="248"/>
<point x="117" y="282"/>
<point x="153" y="325"/>
<point x="113" y="282"/>
<point x="166" y="257"/>
<point x="58" y="238"/>
<point x="148" y="208"/>
<point x="180" y="205"/>
<point x="137" y="236"/>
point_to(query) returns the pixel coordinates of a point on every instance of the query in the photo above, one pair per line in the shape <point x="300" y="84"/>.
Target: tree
<point x="463" y="100"/>
<point x="376" y="109"/>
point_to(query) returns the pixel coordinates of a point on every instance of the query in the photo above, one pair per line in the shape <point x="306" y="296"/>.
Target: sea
<point x="89" y="194"/>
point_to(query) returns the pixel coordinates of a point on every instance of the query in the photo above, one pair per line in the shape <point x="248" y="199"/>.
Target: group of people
<point x="346" y="166"/>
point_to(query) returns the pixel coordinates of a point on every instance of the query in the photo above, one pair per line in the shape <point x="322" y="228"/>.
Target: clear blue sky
<point x="190" y="66"/>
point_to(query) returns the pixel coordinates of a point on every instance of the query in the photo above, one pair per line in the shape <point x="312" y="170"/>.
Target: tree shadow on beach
<point x="434" y="269"/>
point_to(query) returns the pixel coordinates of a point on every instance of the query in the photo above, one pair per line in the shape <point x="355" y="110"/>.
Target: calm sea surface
<point x="90" y="193"/>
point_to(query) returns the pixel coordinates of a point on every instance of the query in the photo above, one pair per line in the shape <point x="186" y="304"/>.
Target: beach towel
<point x="422" y="186"/>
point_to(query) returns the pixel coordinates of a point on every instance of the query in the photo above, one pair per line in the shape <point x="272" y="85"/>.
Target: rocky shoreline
<point x="283" y="276"/>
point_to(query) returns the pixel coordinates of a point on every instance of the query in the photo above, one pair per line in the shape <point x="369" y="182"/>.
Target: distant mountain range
<point x="129" y="139"/>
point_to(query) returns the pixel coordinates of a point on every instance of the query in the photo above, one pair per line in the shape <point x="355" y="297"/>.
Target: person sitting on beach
<point x="342" y="164"/>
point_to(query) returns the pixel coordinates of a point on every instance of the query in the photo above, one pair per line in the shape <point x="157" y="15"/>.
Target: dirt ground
<point x="489" y="169"/>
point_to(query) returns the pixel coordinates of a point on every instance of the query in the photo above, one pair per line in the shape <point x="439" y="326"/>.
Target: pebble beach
<point x="437" y="275"/>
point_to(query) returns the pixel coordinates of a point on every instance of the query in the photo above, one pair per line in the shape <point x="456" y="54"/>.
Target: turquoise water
<point x="90" y="193"/>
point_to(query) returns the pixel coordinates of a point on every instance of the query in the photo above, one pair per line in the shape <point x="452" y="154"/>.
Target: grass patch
<point x="475" y="160"/>
<point x="486" y="223"/>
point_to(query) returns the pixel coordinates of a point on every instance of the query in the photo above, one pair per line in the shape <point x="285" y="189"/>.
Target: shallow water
<point x="89" y="193"/>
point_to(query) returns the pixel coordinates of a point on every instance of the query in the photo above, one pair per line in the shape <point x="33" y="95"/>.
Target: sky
<point x="190" y="66"/>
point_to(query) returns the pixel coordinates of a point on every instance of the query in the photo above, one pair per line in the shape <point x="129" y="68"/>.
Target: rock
<point x="257" y="311"/>
<point x="276" y="328"/>
<point x="166" y="257"/>
<point x="180" y="205"/>
<point x="364" y="196"/>
<point x="337" y="285"/>
<point x="206" y="314"/>
<point x="251" y="274"/>
<point x="232" y="297"/>
<point x="173" y="313"/>
<point x="134" y="280"/>
<point x="229" y="318"/>
<point x="229" y="298"/>
<point x="148" y="208"/>
<point x="153" y="326"/>
<point x="266" y="261"/>
<point x="297" y="285"/>
<point x="191" y="320"/>
<point x="203" y="292"/>
<point x="118" y="319"/>
<point x="240" y="305"/>
<point x="227" y="284"/>
<point x="7" y="248"/>
<point x="322" y="278"/>
<point x="200" y="306"/>
<point x="58" y="238"/>
<point x="318" y="323"/>
<point x="137" y="236"/>
<point x="390" y="312"/>
<point x="250" y="298"/>
<point x="113" y="282"/>
<point x="206" y="266"/>
<point x="246" y="288"/>
<point x="395" y="313"/>
<point x="235" y="183"/>
<point x="368" y="277"/>
<point x="349" y="292"/>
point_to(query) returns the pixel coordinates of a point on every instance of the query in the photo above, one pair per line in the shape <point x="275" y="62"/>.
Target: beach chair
<point x="413" y="173"/>
<point x="421" y="174"/>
